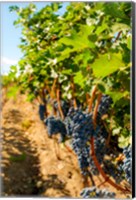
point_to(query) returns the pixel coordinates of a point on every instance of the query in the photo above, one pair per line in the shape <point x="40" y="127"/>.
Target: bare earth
<point x="30" y="166"/>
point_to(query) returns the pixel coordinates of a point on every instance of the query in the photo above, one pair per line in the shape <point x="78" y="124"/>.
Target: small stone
<point x="39" y="184"/>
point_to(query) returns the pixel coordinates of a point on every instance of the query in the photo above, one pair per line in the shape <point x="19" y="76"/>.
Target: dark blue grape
<point x="111" y="169"/>
<point x="94" y="192"/>
<point x="104" y="105"/>
<point x="55" y="126"/>
<point x="64" y="107"/>
<point x="42" y="111"/>
<point x="127" y="163"/>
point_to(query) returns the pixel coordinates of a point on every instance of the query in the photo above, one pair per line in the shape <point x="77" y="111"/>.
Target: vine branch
<point x="92" y="98"/>
<point x="59" y="103"/>
<point x="73" y="91"/>
<point x="96" y="109"/>
<point x="118" y="187"/>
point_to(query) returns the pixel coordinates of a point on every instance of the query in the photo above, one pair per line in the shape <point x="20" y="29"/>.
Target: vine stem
<point x="106" y="178"/>
<point x="119" y="33"/>
<point x="92" y="98"/>
<point x="102" y="183"/>
<point x="56" y="148"/>
<point x="96" y="109"/>
<point x="101" y="170"/>
<point x="38" y="99"/>
<point x="59" y="104"/>
<point x="69" y="149"/>
<point x="52" y="93"/>
<point x="73" y="91"/>
<point x="47" y="87"/>
<point x="87" y="98"/>
<point x="45" y="102"/>
<point x="109" y="131"/>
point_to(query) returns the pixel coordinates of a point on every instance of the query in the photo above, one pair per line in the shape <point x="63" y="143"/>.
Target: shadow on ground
<point x="20" y="162"/>
<point x="54" y="183"/>
<point x="20" y="171"/>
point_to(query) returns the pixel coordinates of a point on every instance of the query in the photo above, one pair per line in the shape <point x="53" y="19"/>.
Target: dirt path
<point x="29" y="162"/>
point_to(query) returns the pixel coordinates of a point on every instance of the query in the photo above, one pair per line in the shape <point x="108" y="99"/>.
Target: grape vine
<point x="77" y="65"/>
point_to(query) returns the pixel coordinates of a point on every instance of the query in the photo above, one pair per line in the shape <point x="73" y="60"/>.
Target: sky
<point x="10" y="35"/>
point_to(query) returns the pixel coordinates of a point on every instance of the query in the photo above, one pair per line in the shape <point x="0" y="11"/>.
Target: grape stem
<point x="109" y="133"/>
<point x="69" y="149"/>
<point x="85" y="181"/>
<point x="92" y="98"/>
<point x="48" y="88"/>
<point x="91" y="177"/>
<point x="101" y="170"/>
<point x="56" y="148"/>
<point x="59" y="103"/>
<point x="38" y="99"/>
<point x="102" y="183"/>
<point x="87" y="98"/>
<point x="73" y="92"/>
<point x="45" y="103"/>
<point x="119" y="33"/>
<point x="54" y="88"/>
<point x="96" y="109"/>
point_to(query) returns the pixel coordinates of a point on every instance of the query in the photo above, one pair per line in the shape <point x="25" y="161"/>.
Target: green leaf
<point x="79" y="40"/>
<point x="79" y="79"/>
<point x="12" y="91"/>
<point x="65" y="54"/>
<point x="129" y="42"/>
<point x="101" y="87"/>
<point x="116" y="131"/>
<point x="18" y="158"/>
<point x="30" y="97"/>
<point x="114" y="10"/>
<point x="101" y="28"/>
<point x="107" y="64"/>
<point x="67" y="71"/>
<point x="116" y="96"/>
<point x="119" y="27"/>
<point x="123" y="141"/>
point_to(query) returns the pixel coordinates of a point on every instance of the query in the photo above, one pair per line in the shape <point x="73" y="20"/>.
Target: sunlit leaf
<point x="107" y="64"/>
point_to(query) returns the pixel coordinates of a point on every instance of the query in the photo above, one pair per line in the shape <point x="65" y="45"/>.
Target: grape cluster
<point x="42" y="111"/>
<point x="55" y="126"/>
<point x="100" y="148"/>
<point x="127" y="163"/>
<point x="80" y="126"/>
<point x="92" y="167"/>
<point x="64" y="106"/>
<point x="100" y="151"/>
<point x="111" y="169"/>
<point x="94" y="192"/>
<point x="104" y="105"/>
